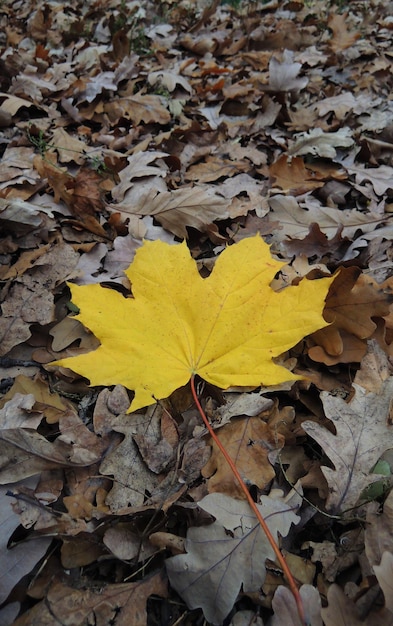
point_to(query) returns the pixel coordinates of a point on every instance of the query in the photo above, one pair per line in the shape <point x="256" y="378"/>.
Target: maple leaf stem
<point x="261" y="520"/>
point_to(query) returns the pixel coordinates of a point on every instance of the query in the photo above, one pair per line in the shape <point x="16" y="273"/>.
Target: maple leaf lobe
<point x="226" y="328"/>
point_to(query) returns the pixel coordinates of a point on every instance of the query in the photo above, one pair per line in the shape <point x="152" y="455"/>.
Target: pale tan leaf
<point x="319" y="143"/>
<point x="378" y="533"/>
<point x="218" y="563"/>
<point x="147" y="108"/>
<point x="380" y="177"/>
<point x="295" y="218"/>
<point x="125" y="544"/>
<point x="19" y="560"/>
<point x="175" y="210"/>
<point x="139" y="165"/>
<point x="384" y="573"/>
<point x="340" y="105"/>
<point x="363" y="433"/>
<point x="285" y="609"/>
<point x="342" y="611"/>
<point x="169" y="80"/>
<point x="17" y="413"/>
<point x="133" y="478"/>
<point x="283" y="75"/>
<point x="342" y="37"/>
<point x="70" y="149"/>
<point x="12" y="104"/>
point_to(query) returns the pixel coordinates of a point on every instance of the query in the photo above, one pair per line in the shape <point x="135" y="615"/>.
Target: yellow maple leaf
<point x="226" y="328"/>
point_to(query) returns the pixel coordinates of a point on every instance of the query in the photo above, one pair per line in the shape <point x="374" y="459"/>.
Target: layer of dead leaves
<point x="124" y="121"/>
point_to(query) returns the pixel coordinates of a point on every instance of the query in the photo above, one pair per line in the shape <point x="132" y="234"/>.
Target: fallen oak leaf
<point x="363" y="433"/>
<point x="76" y="446"/>
<point x="22" y="558"/>
<point x="175" y="210"/>
<point x="384" y="572"/>
<point x="283" y="75"/>
<point x="285" y="608"/>
<point x="140" y="165"/>
<point x="226" y="328"/>
<point x="121" y="604"/>
<point x="353" y="304"/>
<point x="138" y="108"/>
<point x="46" y="401"/>
<point x="342" y="37"/>
<point x="292" y="176"/>
<point x="81" y="193"/>
<point x="319" y="143"/>
<point x="380" y="177"/>
<point x="229" y="553"/>
<point x="249" y="442"/>
<point x="354" y="300"/>
<point x="295" y="219"/>
<point x="133" y="477"/>
<point x="342" y="610"/>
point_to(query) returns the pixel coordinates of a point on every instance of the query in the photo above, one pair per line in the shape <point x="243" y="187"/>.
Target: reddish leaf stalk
<point x="262" y="522"/>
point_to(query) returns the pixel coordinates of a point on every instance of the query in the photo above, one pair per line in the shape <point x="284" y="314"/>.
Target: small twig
<point x="261" y="520"/>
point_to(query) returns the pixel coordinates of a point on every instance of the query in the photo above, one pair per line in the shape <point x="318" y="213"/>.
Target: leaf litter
<point x="207" y="124"/>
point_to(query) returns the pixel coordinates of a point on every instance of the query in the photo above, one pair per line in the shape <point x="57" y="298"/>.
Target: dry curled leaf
<point x="120" y="604"/>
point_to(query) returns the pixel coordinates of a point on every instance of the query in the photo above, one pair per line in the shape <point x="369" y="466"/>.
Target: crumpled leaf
<point x="225" y="328"/>
<point x="121" y="604"/>
<point x="25" y="214"/>
<point x="340" y="105"/>
<point x="363" y="434"/>
<point x="283" y="76"/>
<point x="30" y="299"/>
<point x="45" y="402"/>
<point x="169" y="79"/>
<point x="126" y="544"/>
<point x="250" y="404"/>
<point x="139" y="165"/>
<point x="322" y="144"/>
<point x="133" y="477"/>
<point x="69" y="148"/>
<point x="332" y="558"/>
<point x="81" y="193"/>
<point x="229" y="553"/>
<point x="17" y="412"/>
